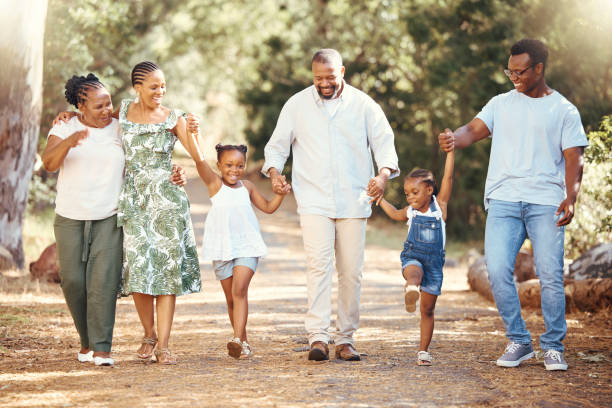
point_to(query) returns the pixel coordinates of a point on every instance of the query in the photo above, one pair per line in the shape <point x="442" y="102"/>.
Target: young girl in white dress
<point x="232" y="239"/>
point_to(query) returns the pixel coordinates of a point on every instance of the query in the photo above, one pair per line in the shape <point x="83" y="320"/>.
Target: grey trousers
<point x="90" y="256"/>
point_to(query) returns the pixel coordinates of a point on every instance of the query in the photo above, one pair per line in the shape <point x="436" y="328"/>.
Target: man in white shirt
<point x="535" y="171"/>
<point x="330" y="127"/>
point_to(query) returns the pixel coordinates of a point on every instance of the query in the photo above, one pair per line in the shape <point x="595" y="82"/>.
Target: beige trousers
<point x="324" y="237"/>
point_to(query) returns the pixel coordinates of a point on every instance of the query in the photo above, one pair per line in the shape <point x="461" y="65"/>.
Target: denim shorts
<point x="225" y="269"/>
<point x="432" y="272"/>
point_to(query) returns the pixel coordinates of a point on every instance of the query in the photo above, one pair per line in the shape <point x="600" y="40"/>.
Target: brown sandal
<point x="164" y="356"/>
<point x="150" y="341"/>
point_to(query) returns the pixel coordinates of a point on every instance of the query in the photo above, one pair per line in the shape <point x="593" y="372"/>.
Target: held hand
<point x="447" y="140"/>
<point x="77" y="138"/>
<point x="567" y="209"/>
<point x="193" y="124"/>
<point x="279" y="182"/>
<point x="63" y="117"/>
<point x="178" y="176"/>
<point x="376" y="188"/>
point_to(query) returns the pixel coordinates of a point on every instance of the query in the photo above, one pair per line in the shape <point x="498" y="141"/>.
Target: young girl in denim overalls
<point x="423" y="254"/>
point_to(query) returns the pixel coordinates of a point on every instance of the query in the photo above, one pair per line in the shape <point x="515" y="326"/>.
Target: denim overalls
<point x="424" y="248"/>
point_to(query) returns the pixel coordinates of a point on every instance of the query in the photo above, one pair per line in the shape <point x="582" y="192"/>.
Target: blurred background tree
<point x="430" y="64"/>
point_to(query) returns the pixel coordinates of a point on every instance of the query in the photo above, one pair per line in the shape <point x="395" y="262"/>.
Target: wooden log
<point x="524" y="267"/>
<point x="587" y="295"/>
<point x="478" y="278"/>
<point x="594" y="263"/>
<point x="46" y="268"/>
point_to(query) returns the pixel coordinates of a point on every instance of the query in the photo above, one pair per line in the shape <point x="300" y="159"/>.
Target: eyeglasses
<point x="517" y="74"/>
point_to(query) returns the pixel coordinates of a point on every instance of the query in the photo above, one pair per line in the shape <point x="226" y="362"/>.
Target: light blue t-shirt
<point x="529" y="136"/>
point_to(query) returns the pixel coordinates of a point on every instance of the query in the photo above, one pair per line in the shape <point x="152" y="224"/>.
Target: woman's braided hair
<point x="141" y="70"/>
<point x="426" y="177"/>
<point x="220" y="148"/>
<point x="78" y="86"/>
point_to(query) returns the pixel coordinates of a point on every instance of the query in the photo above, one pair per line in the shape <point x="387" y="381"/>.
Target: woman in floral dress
<point x="160" y="256"/>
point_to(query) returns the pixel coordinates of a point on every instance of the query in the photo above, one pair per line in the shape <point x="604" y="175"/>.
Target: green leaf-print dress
<point x="159" y="248"/>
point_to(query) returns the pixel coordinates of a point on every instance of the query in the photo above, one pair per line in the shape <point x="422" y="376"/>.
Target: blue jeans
<point x="508" y="224"/>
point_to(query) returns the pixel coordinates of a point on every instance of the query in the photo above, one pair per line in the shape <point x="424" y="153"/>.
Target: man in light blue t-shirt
<point x="535" y="171"/>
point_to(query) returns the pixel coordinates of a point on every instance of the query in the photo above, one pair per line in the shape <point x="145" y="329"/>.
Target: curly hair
<point x="426" y="177"/>
<point x="221" y="148"/>
<point x="78" y="86"/>
<point x="537" y="50"/>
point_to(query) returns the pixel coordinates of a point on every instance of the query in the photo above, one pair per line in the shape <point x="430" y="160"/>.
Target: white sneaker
<point x="103" y="361"/>
<point x="86" y="357"/>
<point x="247" y="352"/>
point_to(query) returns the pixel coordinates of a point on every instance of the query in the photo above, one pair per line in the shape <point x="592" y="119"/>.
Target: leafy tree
<point x="592" y="223"/>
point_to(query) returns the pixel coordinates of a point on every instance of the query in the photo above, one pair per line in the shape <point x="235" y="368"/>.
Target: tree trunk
<point x="22" y="27"/>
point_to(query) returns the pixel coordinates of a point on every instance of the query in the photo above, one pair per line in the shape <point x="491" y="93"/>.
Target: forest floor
<point x="38" y="344"/>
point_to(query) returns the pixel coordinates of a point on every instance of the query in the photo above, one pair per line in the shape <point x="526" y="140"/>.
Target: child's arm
<point x="392" y="212"/>
<point x="190" y="141"/>
<point x="261" y="202"/>
<point x="447" y="183"/>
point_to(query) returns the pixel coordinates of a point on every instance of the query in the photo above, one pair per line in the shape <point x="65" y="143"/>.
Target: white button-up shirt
<point x="332" y="161"/>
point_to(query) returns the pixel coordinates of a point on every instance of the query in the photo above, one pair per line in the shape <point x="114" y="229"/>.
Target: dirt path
<point x="38" y="346"/>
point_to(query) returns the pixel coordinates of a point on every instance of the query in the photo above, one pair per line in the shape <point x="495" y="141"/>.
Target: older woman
<point x="88" y="152"/>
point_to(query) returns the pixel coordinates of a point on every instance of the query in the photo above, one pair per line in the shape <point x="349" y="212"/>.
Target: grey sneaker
<point x="515" y="353"/>
<point x="553" y="360"/>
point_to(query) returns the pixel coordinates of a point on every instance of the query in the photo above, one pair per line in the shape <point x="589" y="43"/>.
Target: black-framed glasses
<point x="517" y="74"/>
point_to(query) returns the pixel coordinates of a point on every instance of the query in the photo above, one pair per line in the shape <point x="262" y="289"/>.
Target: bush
<point x="592" y="222"/>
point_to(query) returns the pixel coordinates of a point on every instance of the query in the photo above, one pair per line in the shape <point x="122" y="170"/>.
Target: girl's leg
<point x="226" y="284"/>
<point x="428" y="305"/>
<point x="165" y="315"/>
<point x="144" y="307"/>
<point x="413" y="275"/>
<point x="240" y="289"/>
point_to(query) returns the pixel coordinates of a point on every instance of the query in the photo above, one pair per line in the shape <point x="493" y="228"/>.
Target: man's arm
<point x="464" y="136"/>
<point x="573" y="179"/>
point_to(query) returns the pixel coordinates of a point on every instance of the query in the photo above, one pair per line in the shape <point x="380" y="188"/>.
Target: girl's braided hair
<point x="426" y="177"/>
<point x="220" y="148"/>
<point x="78" y="86"/>
<point x="141" y="70"/>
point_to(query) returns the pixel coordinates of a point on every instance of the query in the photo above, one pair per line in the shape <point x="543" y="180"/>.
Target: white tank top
<point x="231" y="229"/>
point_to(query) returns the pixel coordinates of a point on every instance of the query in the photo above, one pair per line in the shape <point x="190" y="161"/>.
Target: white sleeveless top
<point x="411" y="212"/>
<point x="231" y="229"/>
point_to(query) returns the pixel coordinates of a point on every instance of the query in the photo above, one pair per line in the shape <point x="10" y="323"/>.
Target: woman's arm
<point x="392" y="212"/>
<point x="189" y="141"/>
<point x="57" y="148"/>
<point x="447" y="183"/>
<point x="261" y="202"/>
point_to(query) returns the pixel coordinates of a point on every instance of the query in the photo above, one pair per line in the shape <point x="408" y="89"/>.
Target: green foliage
<point x="431" y="64"/>
<point x="592" y="223"/>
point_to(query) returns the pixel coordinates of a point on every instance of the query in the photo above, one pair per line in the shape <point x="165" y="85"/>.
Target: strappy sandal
<point x="150" y="341"/>
<point x="164" y="356"/>
<point x="423" y="358"/>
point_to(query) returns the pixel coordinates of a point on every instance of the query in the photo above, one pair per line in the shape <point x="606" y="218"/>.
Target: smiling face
<point x="97" y="109"/>
<point x="531" y="76"/>
<point x="231" y="165"/>
<point x="327" y="78"/>
<point x="152" y="89"/>
<point x="418" y="193"/>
